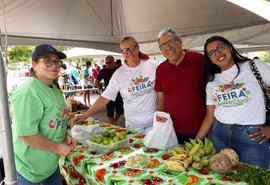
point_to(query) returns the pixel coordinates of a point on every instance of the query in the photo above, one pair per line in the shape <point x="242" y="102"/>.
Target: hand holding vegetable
<point x="76" y="119"/>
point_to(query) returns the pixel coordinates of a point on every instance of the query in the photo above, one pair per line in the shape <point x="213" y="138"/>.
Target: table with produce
<point x="114" y="155"/>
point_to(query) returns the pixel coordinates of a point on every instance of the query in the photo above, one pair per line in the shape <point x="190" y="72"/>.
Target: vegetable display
<point x="137" y="161"/>
<point x="231" y="154"/>
<point x="224" y="160"/>
<point x="252" y="175"/>
<point x="196" y="153"/>
<point x="220" y="163"/>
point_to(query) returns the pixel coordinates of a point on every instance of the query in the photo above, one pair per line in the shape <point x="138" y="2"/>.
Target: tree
<point x="22" y="55"/>
<point x="19" y="54"/>
<point x="265" y="56"/>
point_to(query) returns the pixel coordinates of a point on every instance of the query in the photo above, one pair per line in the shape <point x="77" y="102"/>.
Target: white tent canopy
<point x="89" y="53"/>
<point x="101" y="24"/>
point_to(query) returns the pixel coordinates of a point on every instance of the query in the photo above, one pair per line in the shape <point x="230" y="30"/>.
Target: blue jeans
<point x="237" y="138"/>
<point x="54" y="179"/>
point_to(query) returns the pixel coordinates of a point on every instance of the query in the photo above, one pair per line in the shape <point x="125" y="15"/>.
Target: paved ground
<point x="102" y="115"/>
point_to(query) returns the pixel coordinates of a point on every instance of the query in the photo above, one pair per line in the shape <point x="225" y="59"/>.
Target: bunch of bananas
<point x="196" y="152"/>
<point x="179" y="159"/>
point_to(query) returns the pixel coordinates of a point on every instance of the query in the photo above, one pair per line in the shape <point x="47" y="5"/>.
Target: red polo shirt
<point x="183" y="85"/>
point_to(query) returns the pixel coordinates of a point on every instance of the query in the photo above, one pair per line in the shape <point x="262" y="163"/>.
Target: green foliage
<point x="253" y="175"/>
<point x="265" y="56"/>
<point x="22" y="54"/>
<point x="17" y="54"/>
<point x="62" y="48"/>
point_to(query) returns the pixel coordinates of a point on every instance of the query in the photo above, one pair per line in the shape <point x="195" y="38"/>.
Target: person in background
<point x="135" y="81"/>
<point x="74" y="73"/>
<point x="112" y="106"/>
<point x="235" y="102"/>
<point x="180" y="85"/>
<point x="118" y="63"/>
<point x="63" y="79"/>
<point x="39" y="121"/>
<point x="95" y="72"/>
<point x="86" y="83"/>
<point x="79" y="69"/>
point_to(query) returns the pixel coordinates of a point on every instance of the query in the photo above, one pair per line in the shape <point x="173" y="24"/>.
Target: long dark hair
<point x="212" y="69"/>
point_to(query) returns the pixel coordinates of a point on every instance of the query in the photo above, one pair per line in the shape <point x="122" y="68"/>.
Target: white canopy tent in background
<point x="101" y="24"/>
<point x="89" y="53"/>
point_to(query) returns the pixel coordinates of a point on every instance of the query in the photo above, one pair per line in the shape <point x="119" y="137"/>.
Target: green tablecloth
<point x="85" y="167"/>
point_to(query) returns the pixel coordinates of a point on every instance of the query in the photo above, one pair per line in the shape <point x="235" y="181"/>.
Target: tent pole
<point x="5" y="129"/>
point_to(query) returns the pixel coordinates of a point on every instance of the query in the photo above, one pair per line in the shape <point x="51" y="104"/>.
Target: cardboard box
<point x="72" y="104"/>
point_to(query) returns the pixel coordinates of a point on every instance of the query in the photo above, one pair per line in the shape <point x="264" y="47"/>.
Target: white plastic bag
<point x="83" y="132"/>
<point x="162" y="136"/>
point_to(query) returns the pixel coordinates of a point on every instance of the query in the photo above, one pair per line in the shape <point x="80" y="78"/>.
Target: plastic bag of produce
<point x="162" y="136"/>
<point x="81" y="133"/>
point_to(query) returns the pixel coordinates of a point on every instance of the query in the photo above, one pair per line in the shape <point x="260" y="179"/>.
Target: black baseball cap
<point x="46" y="49"/>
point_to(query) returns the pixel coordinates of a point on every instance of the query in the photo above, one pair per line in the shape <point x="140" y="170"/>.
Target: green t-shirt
<point x="85" y="73"/>
<point x="37" y="108"/>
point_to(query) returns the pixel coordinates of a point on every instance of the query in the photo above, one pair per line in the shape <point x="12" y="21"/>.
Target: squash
<point x="220" y="163"/>
<point x="231" y="154"/>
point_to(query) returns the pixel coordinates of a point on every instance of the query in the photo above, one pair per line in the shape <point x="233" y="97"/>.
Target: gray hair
<point x="129" y="38"/>
<point x="166" y="31"/>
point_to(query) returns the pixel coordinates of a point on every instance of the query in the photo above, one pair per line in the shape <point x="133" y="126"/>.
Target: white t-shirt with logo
<point x="240" y="101"/>
<point x="136" y="86"/>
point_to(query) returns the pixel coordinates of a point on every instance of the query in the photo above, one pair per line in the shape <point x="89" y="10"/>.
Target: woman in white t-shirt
<point x="135" y="81"/>
<point x="235" y="103"/>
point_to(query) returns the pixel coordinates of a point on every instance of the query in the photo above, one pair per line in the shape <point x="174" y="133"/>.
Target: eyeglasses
<point x="219" y="48"/>
<point x="131" y="49"/>
<point x="170" y="43"/>
<point x="108" y="62"/>
<point x="48" y="62"/>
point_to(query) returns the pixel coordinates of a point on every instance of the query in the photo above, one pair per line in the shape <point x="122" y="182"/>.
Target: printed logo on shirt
<point x="61" y="120"/>
<point x="140" y="86"/>
<point x="232" y="95"/>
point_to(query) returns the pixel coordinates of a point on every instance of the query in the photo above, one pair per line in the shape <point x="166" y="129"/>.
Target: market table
<point x="79" y="90"/>
<point x="84" y="166"/>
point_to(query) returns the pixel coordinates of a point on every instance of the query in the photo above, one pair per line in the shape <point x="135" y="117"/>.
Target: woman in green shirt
<point x="40" y="116"/>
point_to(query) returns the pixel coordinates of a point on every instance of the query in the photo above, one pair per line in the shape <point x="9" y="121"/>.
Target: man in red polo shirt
<point x="180" y="85"/>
